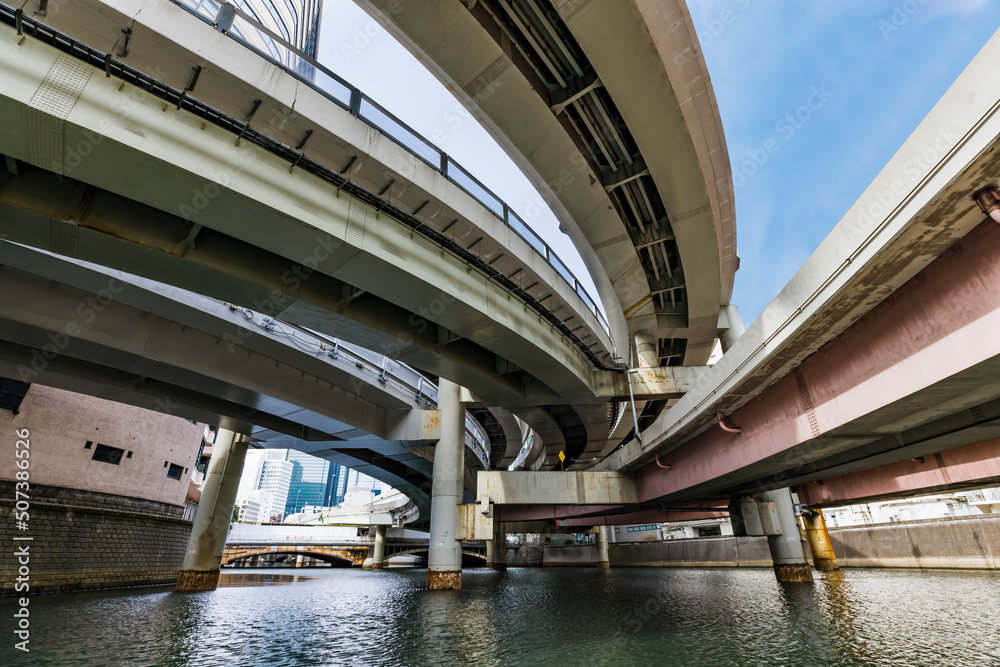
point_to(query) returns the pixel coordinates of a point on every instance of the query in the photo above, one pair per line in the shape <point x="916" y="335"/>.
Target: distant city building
<point x="286" y="481"/>
<point x="939" y="506"/>
<point x="293" y="21"/>
<point x="248" y="508"/>
<point x="313" y="481"/>
<point x="267" y="477"/>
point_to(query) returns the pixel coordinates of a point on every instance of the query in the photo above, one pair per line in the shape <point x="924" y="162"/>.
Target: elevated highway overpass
<point x="109" y="334"/>
<point x="878" y="352"/>
<point x="607" y="106"/>
<point x="874" y="371"/>
<point x="321" y="236"/>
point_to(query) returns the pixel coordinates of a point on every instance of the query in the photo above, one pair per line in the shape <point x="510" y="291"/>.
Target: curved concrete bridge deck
<point x="109" y="334"/>
<point x="607" y="106"/>
<point x="136" y="172"/>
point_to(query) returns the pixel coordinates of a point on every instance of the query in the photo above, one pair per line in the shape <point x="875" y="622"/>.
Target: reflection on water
<point x="241" y="579"/>
<point x="528" y="617"/>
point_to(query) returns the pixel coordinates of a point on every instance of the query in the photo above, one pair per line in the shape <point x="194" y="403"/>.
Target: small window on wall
<point x="12" y="393"/>
<point x="106" y="454"/>
<point x="174" y="471"/>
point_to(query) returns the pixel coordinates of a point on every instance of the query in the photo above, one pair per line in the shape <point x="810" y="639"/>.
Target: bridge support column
<point x="646" y="353"/>
<point x="200" y="570"/>
<point x="730" y="335"/>
<point x="820" y="545"/>
<point x="254" y="561"/>
<point x="491" y="553"/>
<point x="499" y="547"/>
<point x="300" y="560"/>
<point x="790" y="563"/>
<point x="444" y="552"/>
<point x="603" y="559"/>
<point x="378" y="550"/>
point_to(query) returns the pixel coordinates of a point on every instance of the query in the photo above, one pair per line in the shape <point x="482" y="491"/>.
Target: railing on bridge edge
<point x="237" y="24"/>
<point x="410" y="381"/>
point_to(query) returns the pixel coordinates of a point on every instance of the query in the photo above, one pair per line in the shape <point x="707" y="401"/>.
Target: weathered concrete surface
<point x="704" y="552"/>
<point x="962" y="543"/>
<point x="556" y="488"/>
<point x="439" y="580"/>
<point x="525" y="556"/>
<point x="570" y="555"/>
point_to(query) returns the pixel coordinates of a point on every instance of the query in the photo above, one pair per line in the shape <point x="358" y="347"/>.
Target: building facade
<point x="313" y="481"/>
<point x="295" y="22"/>
<point x="108" y="486"/>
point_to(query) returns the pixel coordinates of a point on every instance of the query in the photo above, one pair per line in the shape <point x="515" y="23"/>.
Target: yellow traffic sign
<point x="562" y="457"/>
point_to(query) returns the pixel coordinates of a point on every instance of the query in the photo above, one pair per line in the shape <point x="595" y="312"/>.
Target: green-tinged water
<point x="571" y="616"/>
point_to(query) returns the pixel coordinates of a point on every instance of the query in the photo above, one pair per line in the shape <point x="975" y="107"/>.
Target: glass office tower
<point x="312" y="481"/>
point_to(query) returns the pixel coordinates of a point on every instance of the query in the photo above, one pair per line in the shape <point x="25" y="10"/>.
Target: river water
<point x="526" y="616"/>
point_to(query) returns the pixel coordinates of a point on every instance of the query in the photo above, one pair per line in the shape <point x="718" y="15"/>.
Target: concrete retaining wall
<point x="959" y="543"/>
<point x="84" y="540"/>
<point x="525" y="556"/>
<point x="702" y="552"/>
<point x="570" y="555"/>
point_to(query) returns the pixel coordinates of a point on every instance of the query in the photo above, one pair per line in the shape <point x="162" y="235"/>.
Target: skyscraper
<point x="292" y="21"/>
<point x="312" y="481"/>
<point x="266" y="479"/>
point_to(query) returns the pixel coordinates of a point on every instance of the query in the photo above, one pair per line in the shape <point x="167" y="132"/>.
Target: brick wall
<point x="84" y="540"/>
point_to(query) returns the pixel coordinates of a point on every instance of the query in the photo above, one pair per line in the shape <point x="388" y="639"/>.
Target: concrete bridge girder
<point x="159" y="332"/>
<point x="920" y="206"/>
<point x="297" y="203"/>
<point x="230" y="282"/>
<point x="674" y="120"/>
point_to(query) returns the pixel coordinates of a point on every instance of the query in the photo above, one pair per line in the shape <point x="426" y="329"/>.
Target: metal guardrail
<point x="983" y="496"/>
<point x="404" y="378"/>
<point x="237" y="24"/>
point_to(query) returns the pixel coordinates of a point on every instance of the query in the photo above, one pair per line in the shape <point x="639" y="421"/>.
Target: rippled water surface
<point x="528" y="617"/>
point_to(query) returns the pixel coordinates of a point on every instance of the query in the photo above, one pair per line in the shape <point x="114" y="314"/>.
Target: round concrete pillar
<point x="200" y="569"/>
<point x="254" y="561"/>
<point x="646" y="353"/>
<point x="499" y="547"/>
<point x="444" y="553"/>
<point x="603" y="558"/>
<point x="490" y="553"/>
<point x="820" y="545"/>
<point x="378" y="559"/>
<point x="300" y="560"/>
<point x="730" y="335"/>
<point x="790" y="564"/>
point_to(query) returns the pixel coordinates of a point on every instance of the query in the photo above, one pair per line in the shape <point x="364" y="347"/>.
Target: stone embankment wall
<point x="84" y="540"/>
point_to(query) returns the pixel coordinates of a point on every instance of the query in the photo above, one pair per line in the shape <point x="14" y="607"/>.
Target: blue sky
<point x="882" y="65"/>
<point x="871" y="70"/>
